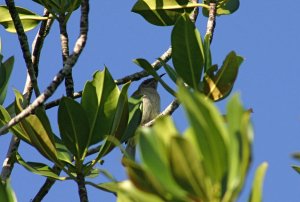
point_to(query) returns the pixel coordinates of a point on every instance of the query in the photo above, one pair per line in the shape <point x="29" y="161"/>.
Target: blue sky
<point x="265" y="33"/>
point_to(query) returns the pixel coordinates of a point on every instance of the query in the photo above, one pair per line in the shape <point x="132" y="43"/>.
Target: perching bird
<point x="151" y="108"/>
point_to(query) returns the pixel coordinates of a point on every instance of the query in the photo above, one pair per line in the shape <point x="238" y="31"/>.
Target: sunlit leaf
<point x="187" y="51"/>
<point x="257" y="186"/>
<point x="208" y="133"/>
<point x="99" y="100"/>
<point x="59" y="6"/>
<point x="74" y="127"/>
<point x="29" y="19"/>
<point x="39" y="168"/>
<point x="163" y="12"/>
<point x="218" y="85"/>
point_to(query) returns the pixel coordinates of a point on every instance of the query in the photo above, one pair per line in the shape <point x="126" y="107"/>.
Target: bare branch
<point x="211" y="22"/>
<point x="23" y="42"/>
<point x="71" y="61"/>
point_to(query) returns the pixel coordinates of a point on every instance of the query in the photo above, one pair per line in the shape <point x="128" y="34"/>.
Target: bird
<point x="150" y="109"/>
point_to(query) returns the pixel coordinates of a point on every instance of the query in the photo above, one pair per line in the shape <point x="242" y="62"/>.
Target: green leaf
<point x="36" y="131"/>
<point x="170" y="71"/>
<point x="39" y="168"/>
<point x="224" y="7"/>
<point x="208" y="133"/>
<point x="163" y="12"/>
<point x="148" y="67"/>
<point x="63" y="154"/>
<point x="74" y="127"/>
<point x="154" y="152"/>
<point x="59" y="6"/>
<point x="187" y="169"/>
<point x="218" y="85"/>
<point x="207" y="53"/>
<point x="296" y="168"/>
<point x="29" y="19"/>
<point x="5" y="72"/>
<point x="257" y="186"/>
<point x="99" y="100"/>
<point x="134" y="120"/>
<point x="6" y="192"/>
<point x="119" y="122"/>
<point x="187" y="51"/>
<point x="240" y="142"/>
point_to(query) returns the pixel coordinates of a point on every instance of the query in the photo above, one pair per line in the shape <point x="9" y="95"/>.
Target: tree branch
<point x="211" y="22"/>
<point x="9" y="161"/>
<point x="71" y="61"/>
<point x="23" y="43"/>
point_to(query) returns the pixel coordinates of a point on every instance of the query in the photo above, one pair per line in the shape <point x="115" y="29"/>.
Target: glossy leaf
<point x="6" y="192"/>
<point x="74" y="127"/>
<point x="29" y="19"/>
<point x="219" y="83"/>
<point x="99" y="100"/>
<point x="187" y="51"/>
<point x="5" y="72"/>
<point x="148" y="67"/>
<point x="60" y="6"/>
<point x="208" y="133"/>
<point x="119" y="122"/>
<point x="63" y="154"/>
<point x="163" y="12"/>
<point x="33" y="131"/>
<point x="257" y="186"/>
<point x="39" y="168"/>
<point x="224" y="7"/>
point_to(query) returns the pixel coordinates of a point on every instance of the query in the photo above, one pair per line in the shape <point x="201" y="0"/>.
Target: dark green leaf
<point x="163" y="12"/>
<point x="224" y="7"/>
<point x="148" y="67"/>
<point x="6" y="192"/>
<point x="5" y="72"/>
<point x="29" y="19"/>
<point x="187" y="51"/>
<point x="170" y="71"/>
<point x="134" y="120"/>
<point x="99" y="100"/>
<point x="119" y="122"/>
<point x="74" y="127"/>
<point x="39" y="168"/>
<point x="59" y="6"/>
<point x="218" y="85"/>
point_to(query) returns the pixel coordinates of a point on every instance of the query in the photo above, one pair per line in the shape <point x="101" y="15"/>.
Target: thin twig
<point x="211" y="22"/>
<point x="64" y="39"/>
<point x="23" y="43"/>
<point x="82" y="188"/>
<point x="9" y="161"/>
<point x="71" y="61"/>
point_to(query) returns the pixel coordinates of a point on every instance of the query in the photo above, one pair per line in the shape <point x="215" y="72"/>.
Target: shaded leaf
<point x="187" y="51"/>
<point x="163" y="12"/>
<point x="5" y="72"/>
<point x="29" y="19"/>
<point x="119" y="122"/>
<point x="74" y="127"/>
<point x="170" y="71"/>
<point x="148" y="67"/>
<point x="218" y="85"/>
<point x="224" y="7"/>
<point x="6" y="192"/>
<point x="39" y="168"/>
<point x="59" y="6"/>
<point x="99" y="100"/>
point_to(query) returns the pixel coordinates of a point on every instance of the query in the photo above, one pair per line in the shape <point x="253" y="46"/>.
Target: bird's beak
<point x="162" y="75"/>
